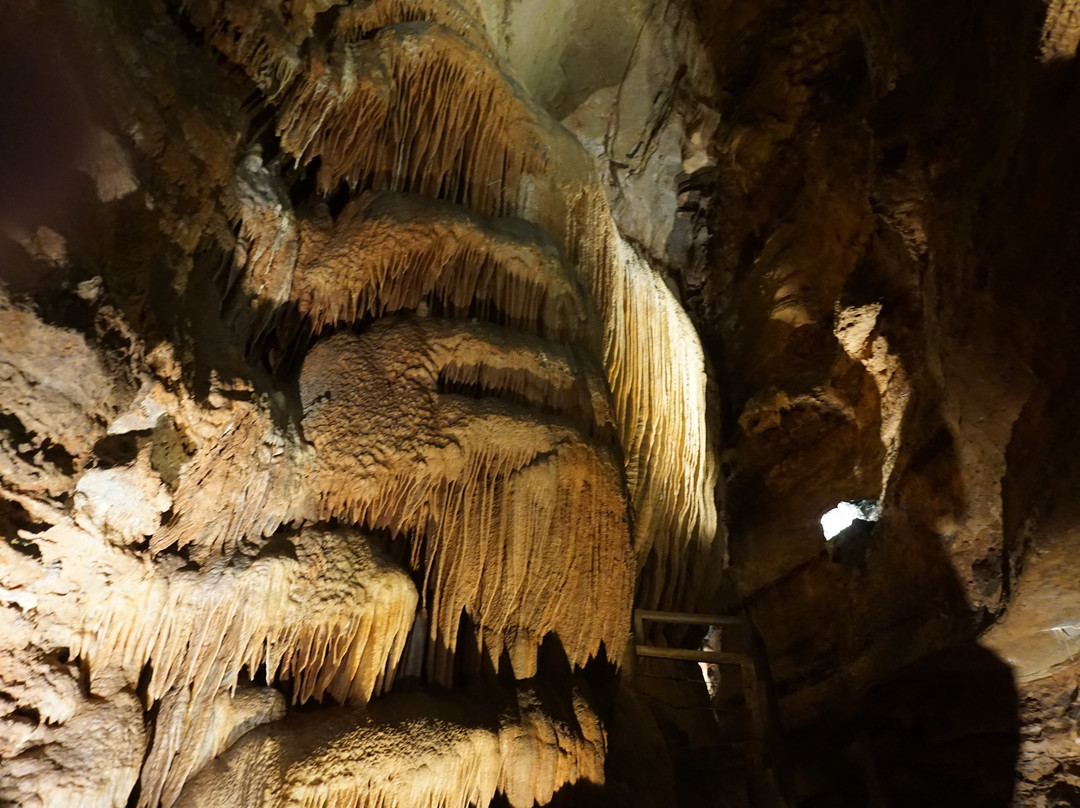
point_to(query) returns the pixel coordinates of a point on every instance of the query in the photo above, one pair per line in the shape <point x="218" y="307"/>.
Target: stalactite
<point x="328" y="613"/>
<point x="333" y="620"/>
<point x="188" y="734"/>
<point x="654" y="363"/>
<point x="417" y="87"/>
<point x="358" y="21"/>
<point x="532" y="770"/>
<point x="1060" y="31"/>
<point x="535" y="371"/>
<point x="385" y="252"/>
<point x="489" y="447"/>
<point x="443" y="121"/>
<point x="656" y="370"/>
<point x="386" y="107"/>
<point x="249" y="462"/>
<point x="458" y="754"/>
<point x="517" y="521"/>
<point x="266" y="37"/>
<point x="329" y="112"/>
<point x="256" y="35"/>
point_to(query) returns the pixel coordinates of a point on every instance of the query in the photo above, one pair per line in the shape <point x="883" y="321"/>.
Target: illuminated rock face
<point x="373" y="387"/>
<point x="345" y="407"/>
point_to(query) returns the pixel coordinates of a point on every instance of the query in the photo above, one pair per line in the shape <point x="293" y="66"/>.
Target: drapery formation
<point x="519" y="748"/>
<point x="479" y="204"/>
<point x="440" y="384"/>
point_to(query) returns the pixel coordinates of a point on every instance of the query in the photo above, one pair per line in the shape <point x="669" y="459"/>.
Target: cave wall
<point x="890" y="303"/>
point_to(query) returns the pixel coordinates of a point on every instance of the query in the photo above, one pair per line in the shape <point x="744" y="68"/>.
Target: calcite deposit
<point x="366" y="386"/>
<point x="366" y="364"/>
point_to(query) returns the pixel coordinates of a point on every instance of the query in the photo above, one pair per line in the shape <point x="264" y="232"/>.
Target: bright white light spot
<point x="710" y="672"/>
<point x="839" y="518"/>
<point x="834" y="522"/>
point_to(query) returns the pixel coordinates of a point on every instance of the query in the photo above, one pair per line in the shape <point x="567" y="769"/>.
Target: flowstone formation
<point x="330" y="377"/>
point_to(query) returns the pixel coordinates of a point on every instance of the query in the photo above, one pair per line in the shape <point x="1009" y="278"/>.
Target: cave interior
<point x="539" y="402"/>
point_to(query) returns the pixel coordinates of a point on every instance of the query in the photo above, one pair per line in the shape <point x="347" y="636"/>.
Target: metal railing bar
<point x="688" y="618"/>
<point x="715" y="657"/>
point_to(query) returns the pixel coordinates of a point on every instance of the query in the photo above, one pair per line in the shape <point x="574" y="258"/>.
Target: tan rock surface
<point x="363" y="362"/>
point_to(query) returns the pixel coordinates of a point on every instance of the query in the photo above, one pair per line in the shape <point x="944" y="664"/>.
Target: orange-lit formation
<point x="456" y="393"/>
